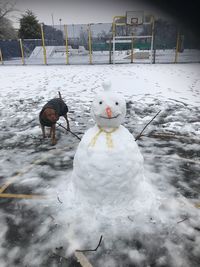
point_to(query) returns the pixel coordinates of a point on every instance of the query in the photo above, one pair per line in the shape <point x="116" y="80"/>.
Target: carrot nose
<point x="109" y="112"/>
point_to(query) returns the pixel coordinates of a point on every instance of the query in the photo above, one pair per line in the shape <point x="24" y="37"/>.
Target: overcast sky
<point x="77" y="11"/>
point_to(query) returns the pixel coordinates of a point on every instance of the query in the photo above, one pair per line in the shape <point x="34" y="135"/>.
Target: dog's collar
<point x="44" y="121"/>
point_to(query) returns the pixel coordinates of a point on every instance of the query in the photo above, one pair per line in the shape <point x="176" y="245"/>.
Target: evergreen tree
<point x="29" y="26"/>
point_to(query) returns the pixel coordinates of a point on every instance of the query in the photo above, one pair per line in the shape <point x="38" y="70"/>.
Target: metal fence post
<point x="152" y="38"/>
<point x="90" y="43"/>
<point x="1" y="57"/>
<point x="113" y="57"/>
<point x="154" y="55"/>
<point x="110" y="52"/>
<point x="43" y="45"/>
<point x="22" y="51"/>
<point x="177" y="46"/>
<point x="113" y="40"/>
<point x="66" y="44"/>
<point x="132" y="50"/>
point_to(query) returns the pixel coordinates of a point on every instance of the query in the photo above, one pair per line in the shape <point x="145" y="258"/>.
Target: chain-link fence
<point x="159" y="42"/>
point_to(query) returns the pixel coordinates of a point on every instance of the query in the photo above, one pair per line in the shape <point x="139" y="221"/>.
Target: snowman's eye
<point x="100" y="102"/>
<point x="116" y="103"/>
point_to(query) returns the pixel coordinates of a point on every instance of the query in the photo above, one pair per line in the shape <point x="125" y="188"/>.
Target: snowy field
<point x="47" y="231"/>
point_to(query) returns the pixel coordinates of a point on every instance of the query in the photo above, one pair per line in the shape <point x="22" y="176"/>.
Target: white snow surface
<point x="160" y="227"/>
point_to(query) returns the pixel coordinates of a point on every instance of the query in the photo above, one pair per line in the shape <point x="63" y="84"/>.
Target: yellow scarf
<point x="109" y="140"/>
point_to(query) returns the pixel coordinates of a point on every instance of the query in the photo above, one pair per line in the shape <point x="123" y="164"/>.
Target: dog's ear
<point x="44" y="113"/>
<point x="48" y="111"/>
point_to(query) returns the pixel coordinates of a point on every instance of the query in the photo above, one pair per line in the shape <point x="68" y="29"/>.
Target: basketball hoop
<point x="134" y="18"/>
<point x="134" y="21"/>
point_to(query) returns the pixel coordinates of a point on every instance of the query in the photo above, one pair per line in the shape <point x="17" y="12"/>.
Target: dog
<point x="50" y="114"/>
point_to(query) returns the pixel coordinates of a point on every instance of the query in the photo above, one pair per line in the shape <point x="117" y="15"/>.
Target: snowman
<point x="108" y="166"/>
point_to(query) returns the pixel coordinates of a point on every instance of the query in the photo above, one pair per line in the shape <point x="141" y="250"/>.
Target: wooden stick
<point x="59" y="200"/>
<point x="140" y="134"/>
<point x="85" y="250"/>
<point x="84" y="262"/>
<point x="186" y="218"/>
<point x="59" y="124"/>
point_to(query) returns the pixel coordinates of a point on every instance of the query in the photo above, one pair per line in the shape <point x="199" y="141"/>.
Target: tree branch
<point x="59" y="124"/>
<point x="86" y="250"/>
<point x="140" y="134"/>
<point x="186" y="218"/>
<point x="59" y="200"/>
<point x="6" y="8"/>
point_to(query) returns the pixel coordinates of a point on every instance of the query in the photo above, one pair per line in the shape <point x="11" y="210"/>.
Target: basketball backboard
<point x="134" y="17"/>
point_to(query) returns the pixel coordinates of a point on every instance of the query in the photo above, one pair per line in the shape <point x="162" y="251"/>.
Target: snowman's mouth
<point x="107" y="118"/>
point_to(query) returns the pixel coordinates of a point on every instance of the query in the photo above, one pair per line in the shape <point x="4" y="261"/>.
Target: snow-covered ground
<point x="45" y="232"/>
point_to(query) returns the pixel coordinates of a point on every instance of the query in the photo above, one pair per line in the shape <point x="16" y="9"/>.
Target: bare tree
<point x="6" y="29"/>
<point x="6" y="8"/>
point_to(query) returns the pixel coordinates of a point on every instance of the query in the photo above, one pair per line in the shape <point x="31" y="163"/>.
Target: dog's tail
<point x="59" y="95"/>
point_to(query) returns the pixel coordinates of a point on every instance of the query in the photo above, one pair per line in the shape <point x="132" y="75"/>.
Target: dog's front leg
<point x="53" y="134"/>
<point x="43" y="131"/>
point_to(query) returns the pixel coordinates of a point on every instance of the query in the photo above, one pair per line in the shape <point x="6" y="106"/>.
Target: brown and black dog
<point x="50" y="114"/>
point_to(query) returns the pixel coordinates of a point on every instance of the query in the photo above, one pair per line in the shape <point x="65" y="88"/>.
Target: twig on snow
<point x="130" y="219"/>
<point x="59" y="124"/>
<point x="186" y="218"/>
<point x="85" y="250"/>
<point x="140" y="134"/>
<point x="59" y="199"/>
<point x="53" y="219"/>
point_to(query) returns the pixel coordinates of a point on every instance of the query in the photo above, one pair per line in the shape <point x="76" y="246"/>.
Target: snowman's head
<point x="108" y="108"/>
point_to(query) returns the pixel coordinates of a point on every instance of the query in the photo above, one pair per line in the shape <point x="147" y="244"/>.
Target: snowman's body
<point x="107" y="175"/>
<point x="108" y="166"/>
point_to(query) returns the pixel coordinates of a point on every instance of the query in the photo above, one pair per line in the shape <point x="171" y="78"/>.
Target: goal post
<point x="132" y="20"/>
